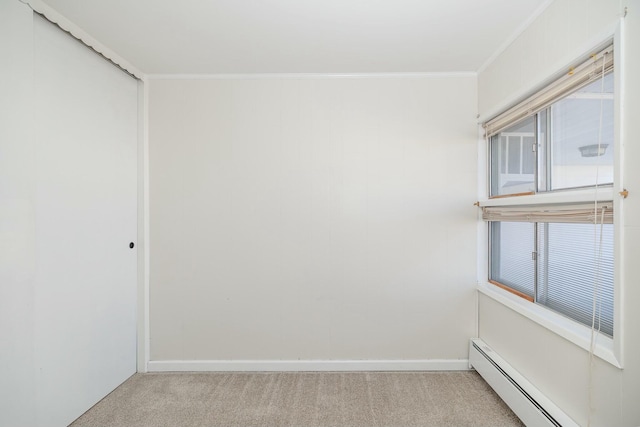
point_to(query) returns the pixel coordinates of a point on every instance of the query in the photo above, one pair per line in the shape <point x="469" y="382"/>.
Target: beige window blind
<point x="577" y="77"/>
<point x="585" y="213"/>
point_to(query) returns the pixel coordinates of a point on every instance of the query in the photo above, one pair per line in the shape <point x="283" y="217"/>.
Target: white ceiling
<point x="301" y="36"/>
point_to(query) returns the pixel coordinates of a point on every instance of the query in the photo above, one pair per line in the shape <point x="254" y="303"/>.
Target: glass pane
<point x="513" y="160"/>
<point x="514" y="152"/>
<point x="528" y="155"/>
<point x="511" y="263"/>
<point x="582" y="150"/>
<point x="571" y="262"/>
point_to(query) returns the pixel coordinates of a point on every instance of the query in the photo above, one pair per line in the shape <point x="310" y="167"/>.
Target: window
<point x="559" y="255"/>
<point x="558" y="265"/>
<point x="568" y="267"/>
<point x="568" y="144"/>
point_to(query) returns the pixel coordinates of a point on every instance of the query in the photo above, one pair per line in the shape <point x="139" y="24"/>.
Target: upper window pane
<point x="582" y="149"/>
<point x="513" y="159"/>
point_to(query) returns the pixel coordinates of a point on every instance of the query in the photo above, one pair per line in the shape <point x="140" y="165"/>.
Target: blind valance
<point x="585" y="213"/>
<point x="592" y="69"/>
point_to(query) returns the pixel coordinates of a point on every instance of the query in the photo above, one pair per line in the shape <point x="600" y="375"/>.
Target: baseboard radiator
<point x="526" y="401"/>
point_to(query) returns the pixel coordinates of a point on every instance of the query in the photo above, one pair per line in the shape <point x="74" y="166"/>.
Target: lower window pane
<point x="512" y="244"/>
<point x="573" y="261"/>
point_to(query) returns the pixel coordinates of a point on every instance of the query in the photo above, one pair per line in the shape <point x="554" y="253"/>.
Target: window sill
<point x="570" y="330"/>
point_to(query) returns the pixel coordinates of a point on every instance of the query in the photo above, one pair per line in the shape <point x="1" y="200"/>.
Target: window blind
<point x="583" y="74"/>
<point x="512" y="264"/>
<point x="572" y="270"/>
<point x="585" y="213"/>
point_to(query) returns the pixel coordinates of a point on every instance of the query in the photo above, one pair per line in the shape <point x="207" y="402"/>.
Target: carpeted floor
<point x="318" y="399"/>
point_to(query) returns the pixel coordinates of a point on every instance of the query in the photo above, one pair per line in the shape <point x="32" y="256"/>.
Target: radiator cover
<point x="525" y="400"/>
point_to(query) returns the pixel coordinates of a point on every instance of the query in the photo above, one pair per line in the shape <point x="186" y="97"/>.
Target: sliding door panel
<point x="85" y="117"/>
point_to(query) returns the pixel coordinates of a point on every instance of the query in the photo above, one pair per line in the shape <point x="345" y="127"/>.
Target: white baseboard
<point x="306" y="365"/>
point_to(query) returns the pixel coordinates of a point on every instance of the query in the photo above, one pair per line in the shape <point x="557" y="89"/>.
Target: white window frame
<point x="606" y="348"/>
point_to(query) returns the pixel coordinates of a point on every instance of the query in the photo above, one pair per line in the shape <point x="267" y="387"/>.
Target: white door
<point x="85" y="200"/>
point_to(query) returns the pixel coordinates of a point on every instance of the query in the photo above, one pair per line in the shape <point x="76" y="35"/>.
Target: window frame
<point x="607" y="348"/>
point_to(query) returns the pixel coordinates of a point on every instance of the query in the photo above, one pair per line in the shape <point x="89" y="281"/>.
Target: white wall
<point x="565" y="29"/>
<point x="17" y="216"/>
<point x="312" y="218"/>
<point x="556" y="366"/>
<point x="630" y="381"/>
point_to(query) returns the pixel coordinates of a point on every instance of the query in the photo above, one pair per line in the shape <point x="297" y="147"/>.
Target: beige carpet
<point x="313" y="399"/>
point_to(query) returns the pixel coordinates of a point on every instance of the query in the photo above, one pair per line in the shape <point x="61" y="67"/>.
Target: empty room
<point x="319" y="213"/>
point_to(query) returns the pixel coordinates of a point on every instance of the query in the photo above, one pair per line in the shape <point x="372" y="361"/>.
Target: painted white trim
<point x="140" y="239"/>
<point x="147" y="234"/>
<point x="147" y="252"/>
<point x="52" y="15"/>
<point x="513" y="397"/>
<point x="618" y="202"/>
<point x="568" y="329"/>
<point x="482" y="235"/>
<point x="517" y="33"/>
<point x="143" y="344"/>
<point x="268" y="76"/>
<point x="582" y="195"/>
<point x="306" y="365"/>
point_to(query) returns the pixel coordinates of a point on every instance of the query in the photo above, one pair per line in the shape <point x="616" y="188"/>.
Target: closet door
<point x="85" y="120"/>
